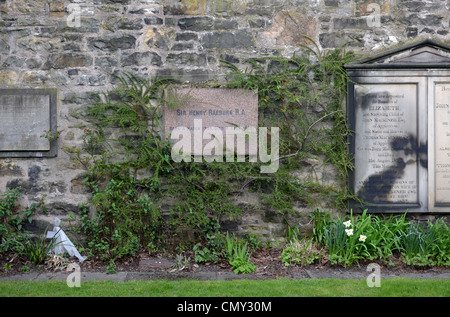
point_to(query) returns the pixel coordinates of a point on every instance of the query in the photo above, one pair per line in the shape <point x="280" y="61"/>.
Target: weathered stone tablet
<point x="25" y="116"/>
<point x="399" y="114"/>
<point x="386" y="142"/>
<point x="442" y="142"/>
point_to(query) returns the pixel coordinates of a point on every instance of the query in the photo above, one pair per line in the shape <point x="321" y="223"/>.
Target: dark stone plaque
<point x="25" y="117"/>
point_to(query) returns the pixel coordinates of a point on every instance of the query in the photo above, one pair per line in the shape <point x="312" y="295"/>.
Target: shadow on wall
<point x="407" y="150"/>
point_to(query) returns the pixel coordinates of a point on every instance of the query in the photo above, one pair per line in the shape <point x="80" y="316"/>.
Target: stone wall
<point x="78" y="45"/>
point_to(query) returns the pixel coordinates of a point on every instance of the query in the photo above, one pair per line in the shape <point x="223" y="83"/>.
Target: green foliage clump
<point x="13" y="238"/>
<point x="131" y="176"/>
<point x="213" y="250"/>
<point x="38" y="249"/>
<point x="426" y="245"/>
<point x="143" y="199"/>
<point x="303" y="96"/>
<point x="239" y="256"/>
<point x="368" y="237"/>
<point x="300" y="252"/>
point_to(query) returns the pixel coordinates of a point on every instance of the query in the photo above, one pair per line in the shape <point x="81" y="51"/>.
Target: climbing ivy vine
<point x="143" y="199"/>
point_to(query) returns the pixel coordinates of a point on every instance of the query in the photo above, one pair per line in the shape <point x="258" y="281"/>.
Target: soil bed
<point x="268" y="263"/>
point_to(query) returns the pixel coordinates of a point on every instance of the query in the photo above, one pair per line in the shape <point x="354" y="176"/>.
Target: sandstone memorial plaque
<point x="398" y="112"/>
<point x="439" y="147"/>
<point x="25" y="116"/>
<point x="205" y="110"/>
<point x="442" y="142"/>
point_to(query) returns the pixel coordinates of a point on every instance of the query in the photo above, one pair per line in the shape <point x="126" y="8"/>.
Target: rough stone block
<point x="115" y="1"/>
<point x="332" y="3"/>
<point x="81" y="97"/>
<point x="30" y="7"/>
<point x="77" y="185"/>
<point x="182" y="46"/>
<point x="10" y="169"/>
<point x="141" y="59"/>
<point x="427" y="30"/>
<point x="222" y="5"/>
<point x="206" y="24"/>
<point x="186" y="36"/>
<point x="105" y="61"/>
<point x="350" y="23"/>
<point x="36" y="77"/>
<point x="8" y="77"/>
<point x="185" y="7"/>
<point x="119" y="23"/>
<point x="187" y="59"/>
<point x="112" y="43"/>
<point x="372" y="7"/>
<point x="4" y="47"/>
<point x="56" y="6"/>
<point x="147" y="10"/>
<point x="63" y="208"/>
<point x="159" y="38"/>
<point x="39" y="44"/>
<point x="337" y="39"/>
<point x="426" y="20"/>
<point x="188" y="75"/>
<point x="13" y="61"/>
<point x="87" y="25"/>
<point x="287" y="26"/>
<point x="91" y="80"/>
<point x="33" y="63"/>
<point x="257" y="23"/>
<point x="420" y="6"/>
<point x="153" y="20"/>
<point x="229" y="7"/>
<point x="196" y="23"/>
<point x="66" y="60"/>
<point x="239" y="39"/>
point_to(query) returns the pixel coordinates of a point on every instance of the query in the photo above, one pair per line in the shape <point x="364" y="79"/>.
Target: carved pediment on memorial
<point x="426" y="53"/>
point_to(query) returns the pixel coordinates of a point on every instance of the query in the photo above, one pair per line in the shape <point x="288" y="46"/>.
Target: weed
<point x="239" y="256"/>
<point x="111" y="268"/>
<point x="182" y="262"/>
<point x="7" y="266"/>
<point x="300" y="252"/>
<point x="38" y="249"/>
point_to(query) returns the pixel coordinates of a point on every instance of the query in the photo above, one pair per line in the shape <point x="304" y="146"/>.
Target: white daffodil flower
<point x="362" y="238"/>
<point x="349" y="232"/>
<point x="347" y="224"/>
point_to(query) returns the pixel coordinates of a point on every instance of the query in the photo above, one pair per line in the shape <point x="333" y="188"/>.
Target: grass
<point x="390" y="287"/>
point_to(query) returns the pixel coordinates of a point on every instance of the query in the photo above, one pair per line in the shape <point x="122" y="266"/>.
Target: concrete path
<point x="151" y="276"/>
